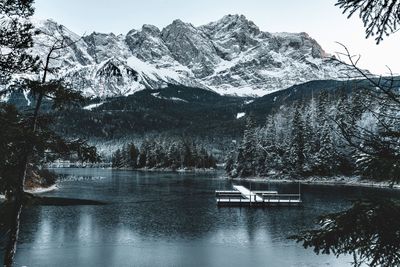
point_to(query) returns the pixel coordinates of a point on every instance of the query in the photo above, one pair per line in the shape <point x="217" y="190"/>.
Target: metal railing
<point x="265" y="198"/>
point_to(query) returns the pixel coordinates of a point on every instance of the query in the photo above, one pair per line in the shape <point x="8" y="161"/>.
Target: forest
<point x="163" y="153"/>
<point x="321" y="137"/>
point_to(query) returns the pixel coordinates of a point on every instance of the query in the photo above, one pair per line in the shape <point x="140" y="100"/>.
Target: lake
<point x="171" y="219"/>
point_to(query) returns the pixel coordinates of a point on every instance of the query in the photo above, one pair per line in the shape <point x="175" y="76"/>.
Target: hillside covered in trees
<point x="322" y="137"/>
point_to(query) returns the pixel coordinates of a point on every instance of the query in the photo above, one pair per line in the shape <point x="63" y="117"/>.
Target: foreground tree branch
<point x="369" y="231"/>
<point x="380" y="17"/>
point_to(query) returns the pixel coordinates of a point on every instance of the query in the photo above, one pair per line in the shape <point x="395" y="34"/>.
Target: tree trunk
<point x="15" y="199"/>
<point x="11" y="246"/>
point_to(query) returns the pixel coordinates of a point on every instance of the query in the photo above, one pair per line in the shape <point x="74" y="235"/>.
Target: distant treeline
<point x="163" y="153"/>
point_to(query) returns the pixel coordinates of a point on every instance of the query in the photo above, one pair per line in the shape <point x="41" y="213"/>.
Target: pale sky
<point x="319" y="18"/>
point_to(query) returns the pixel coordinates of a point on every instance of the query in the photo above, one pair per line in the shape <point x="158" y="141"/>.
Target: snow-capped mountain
<point x="229" y="56"/>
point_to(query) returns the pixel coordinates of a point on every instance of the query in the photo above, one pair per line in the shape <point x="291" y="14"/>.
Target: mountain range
<point x="231" y="56"/>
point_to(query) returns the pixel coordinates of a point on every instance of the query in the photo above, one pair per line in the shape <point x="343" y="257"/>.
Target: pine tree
<point x="357" y="107"/>
<point x="326" y="156"/>
<point x="124" y="157"/>
<point x="322" y="107"/>
<point x="15" y="38"/>
<point x="230" y="166"/>
<point x="246" y="160"/>
<point x="343" y="111"/>
<point x="272" y="148"/>
<point x="297" y="157"/>
<point x="321" y="116"/>
<point x="150" y="156"/>
<point x="117" y="159"/>
<point x="133" y="155"/>
<point x="142" y="160"/>
<point x="187" y="155"/>
<point x="173" y="156"/>
<point x="344" y="124"/>
<point x="310" y="142"/>
<point x="261" y="152"/>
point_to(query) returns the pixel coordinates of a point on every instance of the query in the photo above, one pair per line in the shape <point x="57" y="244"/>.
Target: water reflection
<point x="158" y="219"/>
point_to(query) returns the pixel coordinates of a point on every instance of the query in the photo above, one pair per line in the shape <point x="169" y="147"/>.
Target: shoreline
<point x="200" y="170"/>
<point x="42" y="190"/>
<point x="177" y="170"/>
<point x="148" y="170"/>
<point x="353" y="181"/>
<point x="36" y="191"/>
<point x="332" y="181"/>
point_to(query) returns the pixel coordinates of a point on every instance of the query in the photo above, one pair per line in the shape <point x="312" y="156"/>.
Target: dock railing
<point x="252" y="198"/>
<point x="278" y="197"/>
<point x="242" y="196"/>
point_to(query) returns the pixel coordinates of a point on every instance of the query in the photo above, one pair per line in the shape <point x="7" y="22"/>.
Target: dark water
<point x="165" y="219"/>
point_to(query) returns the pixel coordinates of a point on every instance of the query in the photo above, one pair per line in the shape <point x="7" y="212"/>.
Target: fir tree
<point x="117" y="159"/>
<point x="326" y="158"/>
<point x="230" y="167"/>
<point x="247" y="151"/>
<point x="357" y="104"/>
<point x="133" y="155"/>
<point x="297" y="157"/>
<point x="310" y="142"/>
<point x="15" y="38"/>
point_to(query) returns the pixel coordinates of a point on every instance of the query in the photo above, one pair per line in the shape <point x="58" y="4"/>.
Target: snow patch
<point x="243" y="91"/>
<point x="152" y="72"/>
<point x="92" y="106"/>
<point x="26" y="93"/>
<point x="39" y="190"/>
<point x="157" y="95"/>
<point x="42" y="190"/>
<point x="177" y="99"/>
<point x="240" y="115"/>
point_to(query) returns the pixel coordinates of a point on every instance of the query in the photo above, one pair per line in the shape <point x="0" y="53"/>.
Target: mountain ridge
<point x="229" y="56"/>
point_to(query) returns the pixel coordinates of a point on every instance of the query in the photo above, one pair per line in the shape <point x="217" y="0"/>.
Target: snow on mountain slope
<point x="229" y="56"/>
<point x="103" y="46"/>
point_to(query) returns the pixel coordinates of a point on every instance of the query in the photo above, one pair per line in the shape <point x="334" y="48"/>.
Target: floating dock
<point x="241" y="196"/>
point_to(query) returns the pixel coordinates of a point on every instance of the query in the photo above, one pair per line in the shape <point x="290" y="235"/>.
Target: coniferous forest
<point x="163" y="153"/>
<point x="322" y="137"/>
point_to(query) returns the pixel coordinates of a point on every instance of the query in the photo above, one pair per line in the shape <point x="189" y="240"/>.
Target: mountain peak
<point x="179" y="23"/>
<point x="231" y="24"/>
<point x="151" y="29"/>
<point x="190" y="47"/>
<point x="178" y="27"/>
<point x="235" y="18"/>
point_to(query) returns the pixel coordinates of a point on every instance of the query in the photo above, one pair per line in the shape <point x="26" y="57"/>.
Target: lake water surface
<point x="170" y="219"/>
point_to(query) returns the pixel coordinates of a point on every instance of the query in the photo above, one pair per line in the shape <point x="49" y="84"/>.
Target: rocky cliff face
<point x="229" y="56"/>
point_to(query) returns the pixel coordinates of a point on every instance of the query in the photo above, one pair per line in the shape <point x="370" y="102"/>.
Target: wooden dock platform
<point x="241" y="196"/>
